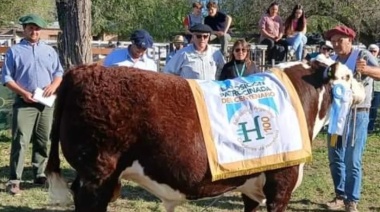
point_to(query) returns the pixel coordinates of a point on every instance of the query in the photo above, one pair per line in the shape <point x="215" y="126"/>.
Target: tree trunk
<point x="74" y="43"/>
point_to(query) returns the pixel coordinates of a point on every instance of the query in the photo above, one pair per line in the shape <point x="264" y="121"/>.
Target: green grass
<point x="315" y="190"/>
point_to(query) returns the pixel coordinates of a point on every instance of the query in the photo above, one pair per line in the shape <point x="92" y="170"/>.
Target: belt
<point x="362" y="109"/>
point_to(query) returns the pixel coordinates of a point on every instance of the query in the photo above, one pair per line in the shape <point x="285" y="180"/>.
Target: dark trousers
<point x="373" y="111"/>
<point x="272" y="51"/>
<point x="32" y="123"/>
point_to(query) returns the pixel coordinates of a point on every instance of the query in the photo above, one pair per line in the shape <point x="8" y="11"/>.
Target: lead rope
<point x="207" y="208"/>
<point x="358" y="77"/>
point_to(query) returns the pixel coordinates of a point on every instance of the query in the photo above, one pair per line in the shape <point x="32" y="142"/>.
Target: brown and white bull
<point x="123" y="123"/>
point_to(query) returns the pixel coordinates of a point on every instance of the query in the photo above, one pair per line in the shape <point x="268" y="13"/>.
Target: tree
<point x="74" y="43"/>
<point x="160" y="18"/>
<point x="12" y="10"/>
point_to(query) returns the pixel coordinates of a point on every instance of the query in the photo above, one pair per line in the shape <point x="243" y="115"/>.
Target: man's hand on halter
<point x="361" y="66"/>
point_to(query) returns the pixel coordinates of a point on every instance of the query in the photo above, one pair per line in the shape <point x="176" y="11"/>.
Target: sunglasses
<point x="325" y="48"/>
<point x="202" y="36"/>
<point x="373" y="51"/>
<point x="239" y="50"/>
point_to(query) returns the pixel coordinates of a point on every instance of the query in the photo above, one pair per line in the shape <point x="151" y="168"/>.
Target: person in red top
<point x="192" y="19"/>
<point x="295" y="30"/>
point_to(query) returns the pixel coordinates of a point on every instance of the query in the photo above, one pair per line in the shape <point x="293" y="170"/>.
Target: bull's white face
<point x="340" y="73"/>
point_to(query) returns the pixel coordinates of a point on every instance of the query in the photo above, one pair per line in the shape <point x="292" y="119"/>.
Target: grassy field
<point x="315" y="190"/>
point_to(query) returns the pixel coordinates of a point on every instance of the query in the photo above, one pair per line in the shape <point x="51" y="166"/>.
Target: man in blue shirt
<point x="345" y="154"/>
<point x="30" y="65"/>
<point x="135" y="54"/>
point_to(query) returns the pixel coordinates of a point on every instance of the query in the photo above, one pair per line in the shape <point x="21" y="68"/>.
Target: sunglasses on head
<point x="240" y="49"/>
<point x="201" y="36"/>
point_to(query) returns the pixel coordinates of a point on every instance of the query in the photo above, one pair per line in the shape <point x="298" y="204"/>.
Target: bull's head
<point x="338" y="73"/>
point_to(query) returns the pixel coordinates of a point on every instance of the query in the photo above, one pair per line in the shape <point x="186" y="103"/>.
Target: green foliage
<point x="160" y="18"/>
<point x="163" y="18"/>
<point x="318" y="23"/>
<point x="12" y="10"/>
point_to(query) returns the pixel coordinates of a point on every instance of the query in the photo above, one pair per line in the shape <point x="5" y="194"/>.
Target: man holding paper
<point x="31" y="66"/>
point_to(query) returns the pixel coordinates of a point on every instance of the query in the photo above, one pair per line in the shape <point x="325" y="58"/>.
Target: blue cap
<point x="142" y="38"/>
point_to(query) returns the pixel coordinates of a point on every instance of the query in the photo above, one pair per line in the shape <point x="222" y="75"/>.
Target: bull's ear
<point x="315" y="64"/>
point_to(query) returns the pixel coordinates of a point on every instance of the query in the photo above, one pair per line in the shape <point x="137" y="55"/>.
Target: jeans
<point x="297" y="41"/>
<point x="373" y="111"/>
<point x="345" y="160"/>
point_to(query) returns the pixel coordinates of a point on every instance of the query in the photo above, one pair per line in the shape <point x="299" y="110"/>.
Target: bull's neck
<point x="315" y="95"/>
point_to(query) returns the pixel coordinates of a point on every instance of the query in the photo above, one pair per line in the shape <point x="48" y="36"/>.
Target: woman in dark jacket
<point x="240" y="63"/>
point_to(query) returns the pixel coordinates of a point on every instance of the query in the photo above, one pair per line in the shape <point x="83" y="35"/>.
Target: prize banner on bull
<point x="251" y="124"/>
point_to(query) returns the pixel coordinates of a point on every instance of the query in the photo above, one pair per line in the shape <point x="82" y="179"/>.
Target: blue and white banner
<point x="251" y="117"/>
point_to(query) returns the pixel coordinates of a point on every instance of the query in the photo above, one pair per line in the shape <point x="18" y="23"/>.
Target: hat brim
<point x="41" y="25"/>
<point x="329" y="34"/>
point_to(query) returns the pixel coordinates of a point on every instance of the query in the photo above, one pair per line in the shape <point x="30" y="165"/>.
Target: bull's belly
<point x="252" y="187"/>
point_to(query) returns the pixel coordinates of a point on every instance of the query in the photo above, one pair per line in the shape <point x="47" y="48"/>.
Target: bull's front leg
<point x="94" y="196"/>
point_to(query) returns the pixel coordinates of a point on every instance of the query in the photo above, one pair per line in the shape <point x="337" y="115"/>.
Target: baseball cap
<point x="328" y="44"/>
<point x="373" y="47"/>
<point x="142" y="38"/>
<point x="33" y="19"/>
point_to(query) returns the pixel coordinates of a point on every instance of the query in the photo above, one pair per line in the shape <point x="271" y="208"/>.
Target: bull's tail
<point x="59" y="192"/>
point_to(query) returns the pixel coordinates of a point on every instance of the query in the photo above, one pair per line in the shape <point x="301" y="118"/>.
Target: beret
<point x="342" y="30"/>
<point x="201" y="28"/>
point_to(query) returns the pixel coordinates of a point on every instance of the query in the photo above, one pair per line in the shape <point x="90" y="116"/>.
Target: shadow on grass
<point x="306" y="202"/>
<point x="27" y="182"/>
<point x="223" y="202"/>
<point x="26" y="209"/>
<point x="134" y="192"/>
<point x="5" y="138"/>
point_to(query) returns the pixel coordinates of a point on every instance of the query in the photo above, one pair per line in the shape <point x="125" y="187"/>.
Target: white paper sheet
<point x="48" y="101"/>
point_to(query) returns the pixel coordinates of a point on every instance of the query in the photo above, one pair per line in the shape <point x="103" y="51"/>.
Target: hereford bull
<point x="124" y="123"/>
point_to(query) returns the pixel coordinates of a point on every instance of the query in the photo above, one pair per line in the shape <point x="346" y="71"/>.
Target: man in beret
<point x="198" y="60"/>
<point x="345" y="155"/>
<point x="28" y="66"/>
<point x="135" y="54"/>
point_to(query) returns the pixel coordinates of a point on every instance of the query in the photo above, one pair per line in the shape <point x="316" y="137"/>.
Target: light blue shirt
<point x="191" y="64"/>
<point x="171" y="54"/>
<point x="366" y="80"/>
<point x="31" y="66"/>
<point x="121" y="57"/>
